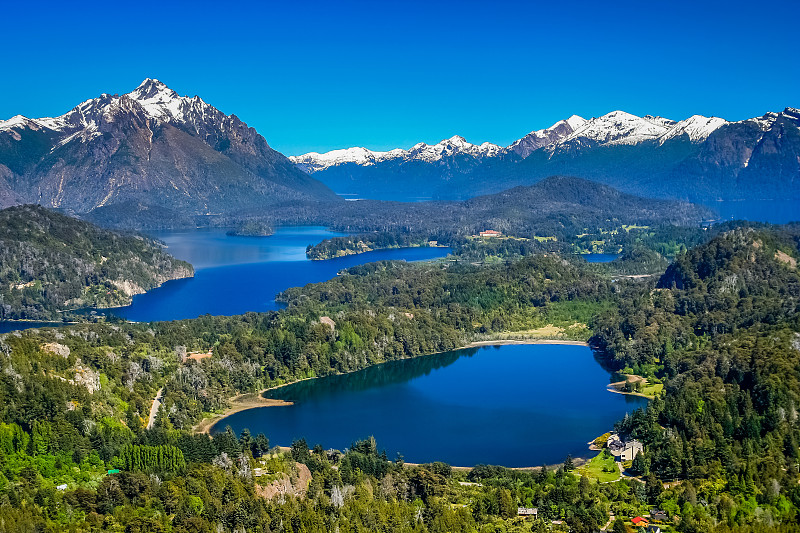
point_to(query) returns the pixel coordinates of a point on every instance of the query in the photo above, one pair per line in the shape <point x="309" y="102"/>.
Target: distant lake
<point x="599" y="258"/>
<point x="234" y="275"/>
<point x="773" y="211"/>
<point x="13" y="325"/>
<point x="514" y="405"/>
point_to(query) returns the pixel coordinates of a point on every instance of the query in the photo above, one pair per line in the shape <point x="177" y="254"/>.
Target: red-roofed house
<point x="639" y="521"/>
<point x="490" y="233"/>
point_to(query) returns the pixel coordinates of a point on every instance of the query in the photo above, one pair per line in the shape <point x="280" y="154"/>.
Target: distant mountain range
<point x="698" y="159"/>
<point x="148" y="150"/>
<point x="158" y="158"/>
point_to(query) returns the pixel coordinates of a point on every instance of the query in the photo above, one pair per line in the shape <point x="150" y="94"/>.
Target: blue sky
<point x="318" y="76"/>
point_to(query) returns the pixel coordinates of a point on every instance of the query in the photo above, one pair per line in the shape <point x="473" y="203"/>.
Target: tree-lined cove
<point x="515" y="405"/>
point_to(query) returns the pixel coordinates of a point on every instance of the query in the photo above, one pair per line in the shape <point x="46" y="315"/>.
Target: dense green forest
<point x="567" y="215"/>
<point x="720" y="328"/>
<point x="50" y="263"/>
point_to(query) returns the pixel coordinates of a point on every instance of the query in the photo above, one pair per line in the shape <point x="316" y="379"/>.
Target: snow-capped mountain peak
<point x="314" y="161"/>
<point x="696" y="127"/>
<point x="161" y="102"/>
<point x="617" y="127"/>
<point x="150" y="89"/>
<point x="575" y="122"/>
<point x="158" y="100"/>
<point x="546" y="137"/>
<point x="455" y="145"/>
<point x="18" y="121"/>
<point x="452" y="146"/>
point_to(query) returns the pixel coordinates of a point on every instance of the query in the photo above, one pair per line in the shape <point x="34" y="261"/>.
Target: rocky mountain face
<point x="699" y="159"/>
<point x="148" y="148"/>
<point x="546" y="137"/>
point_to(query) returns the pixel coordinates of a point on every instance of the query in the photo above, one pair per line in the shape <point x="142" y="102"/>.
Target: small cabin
<point x="528" y="511"/>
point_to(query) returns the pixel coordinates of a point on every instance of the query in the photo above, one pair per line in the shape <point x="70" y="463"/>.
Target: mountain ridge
<point x="152" y="146"/>
<point x="698" y="159"/>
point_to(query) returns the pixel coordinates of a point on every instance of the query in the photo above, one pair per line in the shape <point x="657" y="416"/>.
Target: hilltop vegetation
<point x="51" y="263"/>
<point x="557" y="214"/>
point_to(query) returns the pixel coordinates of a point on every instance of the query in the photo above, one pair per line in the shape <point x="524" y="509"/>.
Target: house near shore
<point x="490" y="233"/>
<point x="631" y="449"/>
<point x="623" y="450"/>
<point x="528" y="511"/>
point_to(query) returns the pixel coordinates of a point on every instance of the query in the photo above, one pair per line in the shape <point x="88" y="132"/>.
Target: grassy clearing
<point x="602" y="467"/>
<point x="653" y="389"/>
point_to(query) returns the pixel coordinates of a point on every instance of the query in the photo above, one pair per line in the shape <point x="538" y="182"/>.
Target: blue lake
<point x="513" y="405"/>
<point x="234" y="275"/>
<point x="773" y="211"/>
<point x="12" y="325"/>
<point x="599" y="258"/>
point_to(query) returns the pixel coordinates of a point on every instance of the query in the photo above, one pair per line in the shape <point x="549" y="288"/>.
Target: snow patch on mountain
<point x="546" y="137"/>
<point x="617" y="127"/>
<point x="576" y="122"/>
<point x="660" y="121"/>
<point x="314" y="161"/>
<point x="696" y="127"/>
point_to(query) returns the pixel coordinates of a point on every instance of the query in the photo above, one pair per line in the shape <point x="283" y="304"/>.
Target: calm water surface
<point x="11" y="325"/>
<point x="234" y="275"/>
<point x="599" y="258"/>
<point x="774" y="211"/>
<point x="514" y="405"/>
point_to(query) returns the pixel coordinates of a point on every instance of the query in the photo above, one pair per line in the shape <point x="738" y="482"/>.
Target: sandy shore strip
<point x="240" y="403"/>
<point x="503" y="342"/>
<point x="256" y="399"/>
<point x="612" y="388"/>
<point x="577" y="461"/>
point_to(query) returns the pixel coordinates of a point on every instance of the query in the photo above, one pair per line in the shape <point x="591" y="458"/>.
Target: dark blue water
<point x="515" y="405"/>
<point x="234" y="275"/>
<point x="10" y="325"/>
<point x="599" y="258"/>
<point x="774" y="211"/>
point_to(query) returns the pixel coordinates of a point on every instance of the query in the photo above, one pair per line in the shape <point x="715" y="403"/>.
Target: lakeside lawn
<point x="602" y="467"/>
<point x="651" y="390"/>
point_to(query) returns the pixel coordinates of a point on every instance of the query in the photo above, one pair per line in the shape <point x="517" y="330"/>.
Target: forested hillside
<point x="51" y="263"/>
<point x="720" y="329"/>
<point x="557" y="214"/>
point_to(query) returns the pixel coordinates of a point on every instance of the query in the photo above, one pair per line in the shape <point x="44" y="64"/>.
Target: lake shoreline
<point x="241" y="402"/>
<point x="254" y="400"/>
